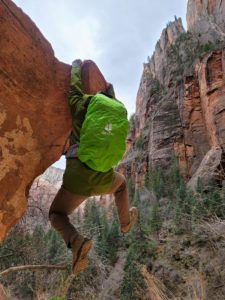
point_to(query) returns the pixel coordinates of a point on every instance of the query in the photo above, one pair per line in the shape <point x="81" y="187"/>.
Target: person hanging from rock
<point x="97" y="143"/>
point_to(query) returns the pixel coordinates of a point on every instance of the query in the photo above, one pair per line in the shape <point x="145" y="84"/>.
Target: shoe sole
<point x="82" y="262"/>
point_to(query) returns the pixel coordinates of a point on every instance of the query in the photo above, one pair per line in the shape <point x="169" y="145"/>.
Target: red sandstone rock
<point x="191" y="147"/>
<point x="178" y="115"/>
<point x="201" y="127"/>
<point x="3" y="295"/>
<point x="203" y="111"/>
<point x="34" y="115"/>
<point x="92" y="79"/>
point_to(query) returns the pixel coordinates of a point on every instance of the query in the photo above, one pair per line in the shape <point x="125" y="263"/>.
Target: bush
<point x="139" y="253"/>
<point x="156" y="86"/>
<point x="139" y="142"/>
<point x="154" y="180"/>
<point x="155" y="221"/>
<point x="186" y="51"/>
<point x="185" y="208"/>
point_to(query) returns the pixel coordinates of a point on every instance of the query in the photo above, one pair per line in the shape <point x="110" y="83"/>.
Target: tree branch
<point x="7" y="255"/>
<point x="32" y="267"/>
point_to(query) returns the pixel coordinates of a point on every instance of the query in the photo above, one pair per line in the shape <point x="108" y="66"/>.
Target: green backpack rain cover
<point x="103" y="133"/>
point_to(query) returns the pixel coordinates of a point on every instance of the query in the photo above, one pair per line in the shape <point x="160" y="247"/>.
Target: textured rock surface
<point x="180" y="112"/>
<point x="205" y="18"/>
<point x="159" y="60"/>
<point x="53" y="176"/>
<point x="92" y="79"/>
<point x="202" y="112"/>
<point x="3" y="295"/>
<point x="156" y="123"/>
<point x="208" y="170"/>
<point x="34" y="115"/>
<point x="41" y="195"/>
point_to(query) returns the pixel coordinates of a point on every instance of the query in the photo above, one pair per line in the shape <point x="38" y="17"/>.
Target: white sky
<point x="117" y="34"/>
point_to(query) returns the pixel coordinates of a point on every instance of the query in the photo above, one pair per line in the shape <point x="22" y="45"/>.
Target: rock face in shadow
<point x="34" y="115"/>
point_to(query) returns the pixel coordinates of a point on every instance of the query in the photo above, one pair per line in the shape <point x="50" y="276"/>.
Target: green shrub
<point x="156" y="85"/>
<point x="139" y="253"/>
<point x="155" y="221"/>
<point x="139" y="142"/>
<point x="154" y="180"/>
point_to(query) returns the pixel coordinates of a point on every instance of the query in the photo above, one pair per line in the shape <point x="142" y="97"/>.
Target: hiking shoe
<point x="80" y="260"/>
<point x="133" y="219"/>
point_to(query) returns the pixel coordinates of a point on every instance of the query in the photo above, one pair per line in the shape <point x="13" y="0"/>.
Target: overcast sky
<point x="118" y="35"/>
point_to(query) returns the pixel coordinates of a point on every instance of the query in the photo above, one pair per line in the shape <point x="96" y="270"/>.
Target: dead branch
<point x="7" y="255"/>
<point x="37" y="207"/>
<point x="32" y="267"/>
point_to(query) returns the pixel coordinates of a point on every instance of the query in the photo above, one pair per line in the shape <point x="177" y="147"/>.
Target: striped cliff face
<point x="180" y="103"/>
<point x="205" y="18"/>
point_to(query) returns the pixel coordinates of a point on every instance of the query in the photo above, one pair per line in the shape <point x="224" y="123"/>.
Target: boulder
<point x="209" y="170"/>
<point x="92" y="79"/>
<point x="35" y="119"/>
<point x="34" y="115"/>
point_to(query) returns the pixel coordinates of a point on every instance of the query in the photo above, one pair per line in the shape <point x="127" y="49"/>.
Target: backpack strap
<point x="72" y="151"/>
<point x="66" y="145"/>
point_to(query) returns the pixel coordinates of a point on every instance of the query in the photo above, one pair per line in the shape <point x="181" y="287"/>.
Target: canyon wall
<point x="180" y="108"/>
<point x="205" y="19"/>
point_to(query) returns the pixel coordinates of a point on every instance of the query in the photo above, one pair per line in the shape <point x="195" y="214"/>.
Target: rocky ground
<point x="191" y="266"/>
<point x="112" y="284"/>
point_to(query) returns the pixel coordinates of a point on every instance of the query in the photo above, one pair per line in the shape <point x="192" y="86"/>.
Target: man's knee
<point x="54" y="218"/>
<point x="122" y="187"/>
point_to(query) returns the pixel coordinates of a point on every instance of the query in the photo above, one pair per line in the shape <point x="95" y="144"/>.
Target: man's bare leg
<point x="127" y="217"/>
<point x="63" y="205"/>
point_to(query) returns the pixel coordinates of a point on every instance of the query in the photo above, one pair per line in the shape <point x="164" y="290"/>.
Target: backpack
<point x="103" y="133"/>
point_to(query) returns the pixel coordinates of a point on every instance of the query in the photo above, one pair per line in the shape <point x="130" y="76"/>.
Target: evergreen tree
<point x="155" y="222"/>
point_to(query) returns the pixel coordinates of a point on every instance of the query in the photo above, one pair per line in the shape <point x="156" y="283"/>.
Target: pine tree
<point x="155" y="222"/>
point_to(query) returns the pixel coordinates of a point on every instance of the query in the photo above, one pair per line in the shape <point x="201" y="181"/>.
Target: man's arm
<point x="76" y="93"/>
<point x="110" y="90"/>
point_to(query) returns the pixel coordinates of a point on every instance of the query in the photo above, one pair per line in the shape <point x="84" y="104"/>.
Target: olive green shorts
<point x="79" y="179"/>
